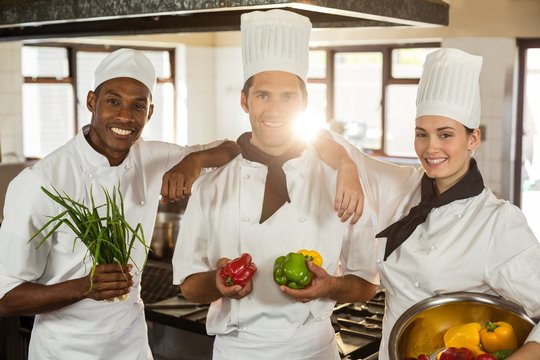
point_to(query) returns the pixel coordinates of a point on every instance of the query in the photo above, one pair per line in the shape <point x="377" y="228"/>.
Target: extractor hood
<point x="38" y="19"/>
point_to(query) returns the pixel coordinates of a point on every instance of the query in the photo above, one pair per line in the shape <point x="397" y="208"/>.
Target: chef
<point x="274" y="199"/>
<point x="53" y="280"/>
<point x="440" y="229"/>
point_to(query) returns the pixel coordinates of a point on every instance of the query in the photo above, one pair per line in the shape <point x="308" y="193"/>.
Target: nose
<point x="276" y="107"/>
<point x="433" y="145"/>
<point x="124" y="114"/>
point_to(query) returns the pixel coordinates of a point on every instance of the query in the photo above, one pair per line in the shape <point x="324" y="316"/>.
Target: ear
<point x="91" y="101"/>
<point x="243" y="101"/>
<point x="150" y="112"/>
<point x="305" y="101"/>
<point x="474" y="139"/>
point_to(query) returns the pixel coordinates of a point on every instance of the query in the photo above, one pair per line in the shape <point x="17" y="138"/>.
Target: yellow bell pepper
<point x="497" y="336"/>
<point x="312" y="256"/>
<point x="465" y="335"/>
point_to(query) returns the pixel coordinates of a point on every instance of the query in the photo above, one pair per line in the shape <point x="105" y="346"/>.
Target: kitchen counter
<point x="178" y="313"/>
<point x="358" y="326"/>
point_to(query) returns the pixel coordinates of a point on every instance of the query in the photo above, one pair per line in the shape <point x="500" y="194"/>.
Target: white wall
<point x="10" y="102"/>
<point x="200" y="96"/>
<point x="231" y="121"/>
<point x="208" y="82"/>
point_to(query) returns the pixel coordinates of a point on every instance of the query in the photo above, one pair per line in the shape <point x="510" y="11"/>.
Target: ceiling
<point x="38" y="19"/>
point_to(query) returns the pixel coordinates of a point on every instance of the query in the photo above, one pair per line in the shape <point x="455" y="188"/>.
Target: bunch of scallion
<point x="105" y="232"/>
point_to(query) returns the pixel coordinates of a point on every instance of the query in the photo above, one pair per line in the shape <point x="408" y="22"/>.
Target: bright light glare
<point x="308" y="125"/>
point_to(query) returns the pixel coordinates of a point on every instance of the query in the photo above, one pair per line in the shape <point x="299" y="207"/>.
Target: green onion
<point x="108" y="237"/>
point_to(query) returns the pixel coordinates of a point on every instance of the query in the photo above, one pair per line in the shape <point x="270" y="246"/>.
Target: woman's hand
<point x="349" y="199"/>
<point x="529" y="351"/>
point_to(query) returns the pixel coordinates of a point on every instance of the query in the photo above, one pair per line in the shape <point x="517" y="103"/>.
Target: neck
<point x="114" y="158"/>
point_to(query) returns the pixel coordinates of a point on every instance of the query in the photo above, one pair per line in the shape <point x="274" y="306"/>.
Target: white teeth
<point x="273" y="124"/>
<point x="436" y="161"/>
<point x="122" y="132"/>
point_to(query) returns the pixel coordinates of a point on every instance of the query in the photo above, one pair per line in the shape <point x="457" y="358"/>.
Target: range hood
<point x="38" y="19"/>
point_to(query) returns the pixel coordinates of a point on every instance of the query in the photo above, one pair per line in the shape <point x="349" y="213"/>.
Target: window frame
<point x="73" y="49"/>
<point x="387" y="79"/>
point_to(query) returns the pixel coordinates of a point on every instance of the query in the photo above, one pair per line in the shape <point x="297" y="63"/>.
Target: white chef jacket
<point x="87" y="329"/>
<point x="222" y="220"/>
<point x="481" y="244"/>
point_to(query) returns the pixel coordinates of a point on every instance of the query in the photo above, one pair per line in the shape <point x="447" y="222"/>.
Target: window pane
<point x="357" y="97"/>
<point x="45" y="61"/>
<point x="161" y="124"/>
<point x="317" y="64"/>
<point x="530" y="181"/>
<point x="407" y="63"/>
<point x="87" y="63"/>
<point x="314" y="118"/>
<point x="400" y="116"/>
<point x="161" y="62"/>
<point x="48" y="117"/>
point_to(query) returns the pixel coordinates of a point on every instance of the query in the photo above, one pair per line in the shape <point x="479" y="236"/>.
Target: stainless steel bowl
<point x="421" y="328"/>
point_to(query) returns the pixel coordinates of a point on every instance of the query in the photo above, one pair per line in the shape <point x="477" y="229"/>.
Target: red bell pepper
<point x="485" y="356"/>
<point x="239" y="271"/>
<point x="453" y="353"/>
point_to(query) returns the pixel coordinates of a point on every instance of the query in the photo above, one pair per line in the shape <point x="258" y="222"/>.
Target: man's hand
<point x="109" y="281"/>
<point x="321" y="285"/>
<point x="234" y="292"/>
<point x="177" y="182"/>
<point x="349" y="199"/>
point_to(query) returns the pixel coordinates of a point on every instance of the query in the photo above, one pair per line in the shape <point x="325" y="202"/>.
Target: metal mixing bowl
<point x="421" y="328"/>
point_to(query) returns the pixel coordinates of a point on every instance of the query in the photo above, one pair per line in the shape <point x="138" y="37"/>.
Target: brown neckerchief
<point x="469" y="186"/>
<point x="275" y="188"/>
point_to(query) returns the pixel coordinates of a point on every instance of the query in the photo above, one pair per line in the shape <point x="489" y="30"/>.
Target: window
<point x="54" y="99"/>
<point x="527" y="142"/>
<point x="370" y="94"/>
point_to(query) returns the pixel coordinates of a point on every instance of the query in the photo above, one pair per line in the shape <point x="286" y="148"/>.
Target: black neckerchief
<point x="275" y="188"/>
<point x="469" y="186"/>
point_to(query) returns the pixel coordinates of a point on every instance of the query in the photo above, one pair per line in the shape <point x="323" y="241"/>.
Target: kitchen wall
<point x="209" y="75"/>
<point x="10" y="100"/>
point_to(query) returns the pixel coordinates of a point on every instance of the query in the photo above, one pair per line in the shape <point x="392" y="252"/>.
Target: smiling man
<point x="274" y="199"/>
<point x="53" y="281"/>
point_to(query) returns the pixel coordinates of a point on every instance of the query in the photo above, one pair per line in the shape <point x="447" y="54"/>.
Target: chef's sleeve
<point x="190" y="253"/>
<point x="25" y="211"/>
<point x="359" y="251"/>
<point x="514" y="261"/>
<point x="382" y="182"/>
<point x="176" y="153"/>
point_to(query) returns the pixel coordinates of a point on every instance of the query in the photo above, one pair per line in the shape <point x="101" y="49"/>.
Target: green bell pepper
<point x="291" y="270"/>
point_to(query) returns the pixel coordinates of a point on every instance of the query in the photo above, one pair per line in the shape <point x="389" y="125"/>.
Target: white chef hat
<point x="126" y="63"/>
<point x="275" y="40"/>
<point x="450" y="86"/>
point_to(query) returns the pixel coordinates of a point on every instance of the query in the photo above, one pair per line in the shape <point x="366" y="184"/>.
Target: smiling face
<point x="120" y="109"/>
<point x="274" y="101"/>
<point x="444" y="147"/>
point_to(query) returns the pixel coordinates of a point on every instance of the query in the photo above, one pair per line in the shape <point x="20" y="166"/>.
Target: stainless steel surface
<point x="421" y="328"/>
<point x="30" y="19"/>
<point x="166" y="231"/>
<point x="8" y="171"/>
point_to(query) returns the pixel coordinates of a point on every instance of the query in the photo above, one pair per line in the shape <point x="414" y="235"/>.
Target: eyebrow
<point x="114" y="93"/>
<point x="262" y="91"/>
<point x="438" y="129"/>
